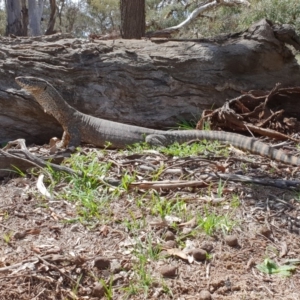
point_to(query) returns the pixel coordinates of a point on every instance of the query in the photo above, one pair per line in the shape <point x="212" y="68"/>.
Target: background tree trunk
<point x="51" y="23"/>
<point x="35" y="9"/>
<point x="141" y="82"/>
<point x="132" y="19"/>
<point x="17" y="17"/>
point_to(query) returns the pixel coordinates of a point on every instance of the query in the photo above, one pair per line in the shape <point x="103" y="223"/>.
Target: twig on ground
<point x="32" y="159"/>
<point x="167" y="184"/>
<point x="57" y="269"/>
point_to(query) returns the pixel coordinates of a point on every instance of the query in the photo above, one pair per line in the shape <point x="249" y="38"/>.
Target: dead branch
<point x="21" y="159"/>
<point x="207" y="6"/>
<point x="168" y="184"/>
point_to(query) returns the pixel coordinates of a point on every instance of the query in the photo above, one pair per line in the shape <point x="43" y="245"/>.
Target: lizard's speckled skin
<point x="79" y="127"/>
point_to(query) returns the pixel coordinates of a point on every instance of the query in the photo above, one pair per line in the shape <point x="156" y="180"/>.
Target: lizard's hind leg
<point x="156" y="140"/>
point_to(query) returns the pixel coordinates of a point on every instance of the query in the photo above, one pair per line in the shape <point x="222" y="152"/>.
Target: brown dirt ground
<point x="50" y="252"/>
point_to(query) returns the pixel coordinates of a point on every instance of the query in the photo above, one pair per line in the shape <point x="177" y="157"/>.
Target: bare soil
<point x="48" y="250"/>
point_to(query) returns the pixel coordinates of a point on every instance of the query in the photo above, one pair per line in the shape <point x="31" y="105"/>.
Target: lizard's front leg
<point x="74" y="136"/>
<point x="71" y="138"/>
<point x="64" y="142"/>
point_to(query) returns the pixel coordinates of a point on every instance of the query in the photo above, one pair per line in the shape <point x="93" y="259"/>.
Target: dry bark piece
<point x="98" y="290"/>
<point x="178" y="253"/>
<point x="191" y="223"/>
<point x="205" y="295"/>
<point x="199" y="254"/>
<point x="231" y="240"/>
<point x="102" y="263"/>
<point x="168" y="271"/>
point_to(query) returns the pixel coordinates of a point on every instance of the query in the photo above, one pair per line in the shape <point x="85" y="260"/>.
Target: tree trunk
<point x="51" y="23"/>
<point x="35" y="10"/>
<point x="17" y="17"/>
<point x="132" y="19"/>
<point x="150" y="83"/>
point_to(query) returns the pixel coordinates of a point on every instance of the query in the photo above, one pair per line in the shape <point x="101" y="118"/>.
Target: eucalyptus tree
<point x="132" y="19"/>
<point x="17" y="17"/>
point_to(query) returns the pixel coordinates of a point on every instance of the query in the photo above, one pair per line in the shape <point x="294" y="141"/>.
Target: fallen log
<point x="152" y="83"/>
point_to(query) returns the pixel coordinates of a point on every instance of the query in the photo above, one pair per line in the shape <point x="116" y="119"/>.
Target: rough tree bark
<point x="132" y="19"/>
<point x="35" y="9"/>
<point x="51" y="23"/>
<point x="17" y="17"/>
<point x="142" y="82"/>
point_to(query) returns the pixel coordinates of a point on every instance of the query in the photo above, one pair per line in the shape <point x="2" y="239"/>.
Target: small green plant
<point x="2" y="145"/>
<point x="75" y="288"/>
<point x="107" y="145"/>
<point x="270" y="267"/>
<point x="235" y="201"/>
<point x="131" y="290"/>
<point x="209" y="256"/>
<point x="212" y="222"/>
<point x="185" y="149"/>
<point x="152" y="251"/>
<point x="142" y="280"/>
<point x="18" y="171"/>
<point x="194" y="149"/>
<point x="159" y="205"/>
<point x="156" y="174"/>
<point x="244" y="167"/>
<point x="139" y="200"/>
<point x="137" y="148"/>
<point x="143" y="276"/>
<point x="5" y="214"/>
<point x="220" y="188"/>
<point x="297" y="196"/>
<point x="126" y="180"/>
<point x="146" y="250"/>
<point x="165" y="207"/>
<point x="167" y="290"/>
<point x="187" y="124"/>
<point x="84" y="190"/>
<point x="7" y="237"/>
<point x="108" y="288"/>
<point x="133" y="224"/>
<point x="206" y="126"/>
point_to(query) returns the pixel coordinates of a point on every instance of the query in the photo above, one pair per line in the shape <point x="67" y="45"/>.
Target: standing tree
<point x="53" y="14"/>
<point x="35" y="10"/>
<point x="17" y="17"/>
<point x="132" y="19"/>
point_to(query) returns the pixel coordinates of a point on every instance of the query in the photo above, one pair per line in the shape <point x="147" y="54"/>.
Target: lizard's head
<point x="45" y="94"/>
<point x="32" y="85"/>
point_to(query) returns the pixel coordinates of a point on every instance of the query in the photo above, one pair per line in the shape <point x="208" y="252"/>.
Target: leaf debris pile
<point x="271" y="114"/>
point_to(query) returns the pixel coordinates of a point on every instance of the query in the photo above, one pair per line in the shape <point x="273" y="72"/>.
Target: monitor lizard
<point x="79" y="127"/>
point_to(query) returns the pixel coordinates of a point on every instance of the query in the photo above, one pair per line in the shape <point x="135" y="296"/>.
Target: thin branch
<point x="207" y="6"/>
